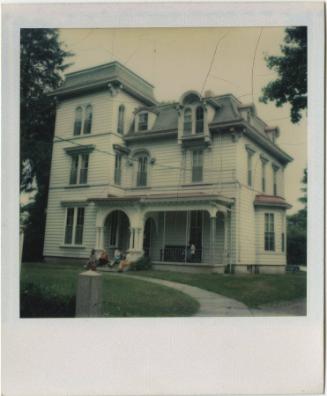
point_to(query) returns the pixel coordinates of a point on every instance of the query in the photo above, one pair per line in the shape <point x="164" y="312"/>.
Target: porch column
<point x="99" y="238"/>
<point x="213" y="221"/>
<point x="139" y="231"/>
<point x="132" y="238"/>
<point x="225" y="258"/>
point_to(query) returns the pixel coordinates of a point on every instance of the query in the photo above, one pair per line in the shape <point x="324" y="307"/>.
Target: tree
<point x="297" y="230"/>
<point x="41" y="71"/>
<point x="291" y="66"/>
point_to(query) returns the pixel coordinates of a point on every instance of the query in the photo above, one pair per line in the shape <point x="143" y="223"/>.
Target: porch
<point x="183" y="233"/>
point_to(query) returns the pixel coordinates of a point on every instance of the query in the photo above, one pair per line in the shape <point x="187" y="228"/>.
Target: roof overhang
<point x="271" y="201"/>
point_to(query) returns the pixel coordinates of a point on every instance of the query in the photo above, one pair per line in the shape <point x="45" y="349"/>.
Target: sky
<point x="222" y="60"/>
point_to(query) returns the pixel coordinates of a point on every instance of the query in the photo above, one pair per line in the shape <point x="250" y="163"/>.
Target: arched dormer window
<point x="88" y="120"/>
<point x="199" y="116"/>
<point x="121" y="118"/>
<point x="78" y="121"/>
<point x="187" y="121"/>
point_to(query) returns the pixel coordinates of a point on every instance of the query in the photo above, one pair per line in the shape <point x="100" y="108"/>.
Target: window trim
<point x="146" y="158"/>
<point x="88" y="122"/>
<point x="146" y="115"/>
<point x="264" y="162"/>
<point x="80" y="128"/>
<point x="197" y="120"/>
<point x="275" y="169"/>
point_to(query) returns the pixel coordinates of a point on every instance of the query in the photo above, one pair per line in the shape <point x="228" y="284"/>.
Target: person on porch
<point x="191" y="249"/>
<point x="117" y="258"/>
<point x="103" y="258"/>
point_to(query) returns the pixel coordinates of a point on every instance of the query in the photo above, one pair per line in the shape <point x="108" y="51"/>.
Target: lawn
<point x="122" y="296"/>
<point x="252" y="290"/>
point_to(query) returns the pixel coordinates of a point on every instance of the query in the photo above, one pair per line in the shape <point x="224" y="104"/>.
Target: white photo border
<point x="175" y="356"/>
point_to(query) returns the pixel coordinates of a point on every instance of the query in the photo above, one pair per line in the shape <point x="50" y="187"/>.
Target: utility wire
<point x="212" y="60"/>
<point x="253" y="63"/>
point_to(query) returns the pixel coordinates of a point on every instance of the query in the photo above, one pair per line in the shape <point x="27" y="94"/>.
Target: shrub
<point x="43" y="302"/>
<point x="144" y="263"/>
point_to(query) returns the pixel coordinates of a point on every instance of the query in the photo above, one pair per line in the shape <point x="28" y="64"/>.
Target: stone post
<point x="89" y="294"/>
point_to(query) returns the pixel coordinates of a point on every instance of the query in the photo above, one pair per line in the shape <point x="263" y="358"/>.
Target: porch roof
<point x="271" y="200"/>
<point x="187" y="197"/>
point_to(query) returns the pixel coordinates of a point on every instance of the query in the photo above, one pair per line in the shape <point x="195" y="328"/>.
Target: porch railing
<point x="180" y="254"/>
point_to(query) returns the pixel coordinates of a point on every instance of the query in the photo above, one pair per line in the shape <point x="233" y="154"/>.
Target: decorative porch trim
<point x="86" y="148"/>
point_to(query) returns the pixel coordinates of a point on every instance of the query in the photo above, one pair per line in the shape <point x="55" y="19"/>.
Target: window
<point x="143" y="122"/>
<point x="263" y="175"/>
<point x="199" y="120"/>
<point x="275" y="170"/>
<point x="121" y="118"/>
<point x="84" y="168"/>
<point x="74" y="226"/>
<point x="69" y="226"/>
<point x="88" y="120"/>
<point x="79" y="226"/>
<point x="142" y="169"/>
<point x="78" y="121"/>
<point x="188" y="121"/>
<point x="79" y="124"/>
<point x="74" y="170"/>
<point x="197" y="166"/>
<point x="79" y="169"/>
<point x="269" y="232"/>
<point x="283" y="242"/>
<point x="117" y="175"/>
<point x="250" y="154"/>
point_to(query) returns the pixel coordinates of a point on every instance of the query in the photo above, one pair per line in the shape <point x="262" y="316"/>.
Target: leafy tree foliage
<point x="291" y="66"/>
<point x="41" y="71"/>
<point x="297" y="231"/>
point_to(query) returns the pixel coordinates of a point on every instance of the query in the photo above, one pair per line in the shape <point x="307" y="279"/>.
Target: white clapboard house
<point x="151" y="178"/>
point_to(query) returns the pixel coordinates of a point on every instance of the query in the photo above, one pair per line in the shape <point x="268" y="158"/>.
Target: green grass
<point x="122" y="296"/>
<point x="252" y="290"/>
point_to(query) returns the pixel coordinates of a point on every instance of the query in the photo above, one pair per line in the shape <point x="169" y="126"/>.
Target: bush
<point x="38" y="302"/>
<point x="144" y="263"/>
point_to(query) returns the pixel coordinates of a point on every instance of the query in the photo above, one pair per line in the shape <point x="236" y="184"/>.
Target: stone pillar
<point x="213" y="221"/>
<point x="99" y="238"/>
<point x="89" y="294"/>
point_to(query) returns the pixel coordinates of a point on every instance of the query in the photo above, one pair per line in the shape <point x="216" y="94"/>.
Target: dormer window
<point x="143" y="122"/>
<point x="121" y="118"/>
<point x="79" y="126"/>
<point x="199" y="119"/>
<point x="188" y="121"/>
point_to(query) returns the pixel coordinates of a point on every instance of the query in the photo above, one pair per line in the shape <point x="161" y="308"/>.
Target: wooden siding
<point x="257" y="168"/>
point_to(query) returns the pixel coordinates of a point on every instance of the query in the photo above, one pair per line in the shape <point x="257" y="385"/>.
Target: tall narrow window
<point x="269" y="232"/>
<point x="263" y="174"/>
<point x="283" y="242"/>
<point x="197" y="166"/>
<point x="143" y="122"/>
<point x="74" y="170"/>
<point x="199" y="119"/>
<point x="275" y="170"/>
<point x="78" y="121"/>
<point x="84" y="169"/>
<point x="142" y="171"/>
<point x="79" y="226"/>
<point x="121" y="118"/>
<point x="187" y="121"/>
<point x="88" y="120"/>
<point x="69" y="226"/>
<point x="117" y="175"/>
<point x="249" y="160"/>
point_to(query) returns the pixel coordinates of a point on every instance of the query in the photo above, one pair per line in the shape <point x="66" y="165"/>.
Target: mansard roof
<point x="98" y="77"/>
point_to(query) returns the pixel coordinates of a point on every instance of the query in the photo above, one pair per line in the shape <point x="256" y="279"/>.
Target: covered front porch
<point x="175" y="232"/>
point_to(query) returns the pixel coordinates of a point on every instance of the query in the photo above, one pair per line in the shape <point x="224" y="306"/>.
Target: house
<point x="151" y="178"/>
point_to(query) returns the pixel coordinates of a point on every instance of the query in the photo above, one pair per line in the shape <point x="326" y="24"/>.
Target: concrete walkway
<point x="211" y="304"/>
